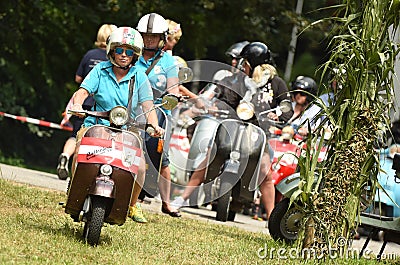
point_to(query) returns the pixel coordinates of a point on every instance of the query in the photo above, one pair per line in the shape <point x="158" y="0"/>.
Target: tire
<point x="284" y="223"/>
<point x="92" y="229"/>
<point x="224" y="201"/>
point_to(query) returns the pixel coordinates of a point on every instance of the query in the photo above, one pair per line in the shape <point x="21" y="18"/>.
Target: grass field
<point x="35" y="230"/>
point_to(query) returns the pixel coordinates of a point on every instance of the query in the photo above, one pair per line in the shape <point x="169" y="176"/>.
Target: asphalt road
<point x="50" y="181"/>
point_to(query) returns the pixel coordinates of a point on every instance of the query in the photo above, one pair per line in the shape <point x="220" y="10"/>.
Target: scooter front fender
<point x="103" y="186"/>
<point x="232" y="166"/>
<point x="202" y="140"/>
<point x="290" y="184"/>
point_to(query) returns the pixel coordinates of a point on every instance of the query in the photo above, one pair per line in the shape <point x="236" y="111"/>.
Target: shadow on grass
<point x="69" y="231"/>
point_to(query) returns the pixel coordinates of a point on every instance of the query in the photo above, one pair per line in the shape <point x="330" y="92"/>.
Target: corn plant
<point x="362" y="64"/>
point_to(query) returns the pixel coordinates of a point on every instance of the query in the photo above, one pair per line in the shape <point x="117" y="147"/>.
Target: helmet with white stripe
<point x="153" y="24"/>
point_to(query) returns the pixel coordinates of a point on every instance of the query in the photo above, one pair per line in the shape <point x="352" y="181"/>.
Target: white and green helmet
<point x="124" y="36"/>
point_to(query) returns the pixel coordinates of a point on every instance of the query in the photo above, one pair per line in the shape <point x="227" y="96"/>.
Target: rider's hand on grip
<point x="273" y="116"/>
<point x="154" y="131"/>
<point x="77" y="110"/>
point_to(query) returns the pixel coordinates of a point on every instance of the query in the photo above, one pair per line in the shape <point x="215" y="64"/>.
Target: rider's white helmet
<point x="124" y="36"/>
<point x="155" y="24"/>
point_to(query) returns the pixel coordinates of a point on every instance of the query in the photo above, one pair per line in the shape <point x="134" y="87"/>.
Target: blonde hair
<point x="262" y="70"/>
<point x="102" y="35"/>
<point x="174" y="29"/>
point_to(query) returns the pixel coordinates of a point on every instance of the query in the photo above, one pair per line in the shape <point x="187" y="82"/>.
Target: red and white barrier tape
<point x="36" y="121"/>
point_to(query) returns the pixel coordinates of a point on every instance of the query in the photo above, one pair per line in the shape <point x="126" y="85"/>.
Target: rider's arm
<point x="151" y="116"/>
<point x="173" y="85"/>
<point x="79" y="98"/>
<point x="186" y="92"/>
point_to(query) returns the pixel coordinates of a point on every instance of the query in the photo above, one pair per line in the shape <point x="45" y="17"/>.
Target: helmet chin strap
<point x="155" y="49"/>
<point x="125" y="67"/>
<point x="122" y="67"/>
<point x="151" y="49"/>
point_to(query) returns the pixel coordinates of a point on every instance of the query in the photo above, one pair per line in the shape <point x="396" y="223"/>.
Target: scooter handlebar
<point x="99" y="114"/>
<point x="152" y="131"/>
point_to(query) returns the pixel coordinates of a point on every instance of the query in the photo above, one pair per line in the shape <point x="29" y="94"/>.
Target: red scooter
<point x="284" y="222"/>
<point x="285" y="145"/>
<point x="107" y="166"/>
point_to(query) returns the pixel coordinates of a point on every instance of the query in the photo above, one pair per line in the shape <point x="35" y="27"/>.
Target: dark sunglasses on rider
<point x="128" y="52"/>
<point x="303" y="94"/>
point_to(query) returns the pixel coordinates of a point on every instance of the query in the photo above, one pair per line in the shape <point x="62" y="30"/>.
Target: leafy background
<point x="43" y="42"/>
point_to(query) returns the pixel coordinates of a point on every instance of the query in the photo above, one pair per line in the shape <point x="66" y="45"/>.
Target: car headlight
<point x="245" y="111"/>
<point x="119" y="116"/>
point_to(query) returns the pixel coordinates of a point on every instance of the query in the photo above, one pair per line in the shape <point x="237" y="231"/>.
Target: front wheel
<point x="224" y="201"/>
<point x="284" y="222"/>
<point x="92" y="229"/>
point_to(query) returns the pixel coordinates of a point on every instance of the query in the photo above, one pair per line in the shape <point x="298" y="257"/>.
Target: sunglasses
<point x="128" y="52"/>
<point x="303" y="94"/>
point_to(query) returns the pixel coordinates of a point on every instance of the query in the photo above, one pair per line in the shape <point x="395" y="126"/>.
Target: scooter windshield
<point x="163" y="80"/>
<point x="209" y="94"/>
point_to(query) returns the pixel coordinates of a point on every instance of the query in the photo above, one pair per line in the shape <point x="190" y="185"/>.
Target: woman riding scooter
<point x="266" y="89"/>
<point x="163" y="75"/>
<point x="303" y="91"/>
<point x="109" y="84"/>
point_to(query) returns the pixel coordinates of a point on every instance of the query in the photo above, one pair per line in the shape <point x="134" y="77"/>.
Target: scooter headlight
<point x="119" y="116"/>
<point x="235" y="155"/>
<point x="106" y="170"/>
<point x="245" y="111"/>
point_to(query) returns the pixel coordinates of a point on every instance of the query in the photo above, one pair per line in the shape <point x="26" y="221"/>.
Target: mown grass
<point x="35" y="230"/>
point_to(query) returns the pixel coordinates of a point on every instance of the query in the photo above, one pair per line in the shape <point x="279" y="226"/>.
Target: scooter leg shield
<point x="81" y="182"/>
<point x="123" y="186"/>
<point x="153" y="160"/>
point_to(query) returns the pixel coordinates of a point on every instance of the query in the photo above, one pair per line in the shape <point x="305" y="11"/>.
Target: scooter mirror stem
<point x="284" y="106"/>
<point x="268" y="111"/>
<point x="144" y="113"/>
<point x="396" y="166"/>
<point x="169" y="102"/>
<point x="185" y="75"/>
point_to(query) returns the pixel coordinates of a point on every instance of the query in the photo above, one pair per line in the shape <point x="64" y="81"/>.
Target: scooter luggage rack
<point x="389" y="225"/>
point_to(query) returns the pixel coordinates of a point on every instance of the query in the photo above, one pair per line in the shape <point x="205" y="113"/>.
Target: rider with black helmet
<point x="304" y="90"/>
<point x="269" y="88"/>
<point x="304" y="86"/>
<point x="256" y="63"/>
<point x="266" y="87"/>
<point x="234" y="51"/>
